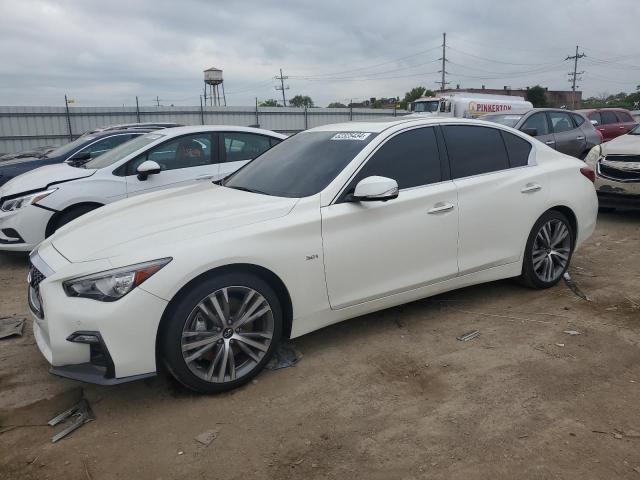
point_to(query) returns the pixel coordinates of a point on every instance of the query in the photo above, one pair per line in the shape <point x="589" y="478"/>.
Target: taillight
<point x="600" y="135"/>
<point x="589" y="173"/>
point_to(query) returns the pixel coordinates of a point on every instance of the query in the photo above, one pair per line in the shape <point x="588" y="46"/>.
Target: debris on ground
<point x="632" y="434"/>
<point x="286" y="355"/>
<point x="571" y="332"/>
<point x="574" y="288"/>
<point x="559" y="344"/>
<point x="205" y="438"/>
<point x="81" y="410"/>
<point x="465" y="337"/>
<point x="10" y="326"/>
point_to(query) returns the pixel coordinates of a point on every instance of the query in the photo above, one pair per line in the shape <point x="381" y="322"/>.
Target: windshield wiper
<point x="245" y="189"/>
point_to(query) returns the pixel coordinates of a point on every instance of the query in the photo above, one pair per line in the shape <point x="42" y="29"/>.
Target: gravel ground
<point x="387" y="395"/>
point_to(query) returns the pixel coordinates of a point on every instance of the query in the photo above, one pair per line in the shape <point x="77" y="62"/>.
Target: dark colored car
<point x="568" y="132"/>
<point x="611" y="122"/>
<point x="79" y="151"/>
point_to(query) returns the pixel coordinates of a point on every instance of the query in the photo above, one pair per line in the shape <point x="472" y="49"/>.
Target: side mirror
<point x="530" y="131"/>
<point x="594" y="122"/>
<point x="81" y="156"/>
<point x="146" y="168"/>
<point x="372" y="189"/>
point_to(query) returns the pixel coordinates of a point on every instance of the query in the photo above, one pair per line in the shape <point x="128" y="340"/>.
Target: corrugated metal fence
<point x="22" y="128"/>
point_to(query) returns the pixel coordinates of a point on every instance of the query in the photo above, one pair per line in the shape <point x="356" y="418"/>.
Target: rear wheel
<point x="222" y="332"/>
<point x="548" y="251"/>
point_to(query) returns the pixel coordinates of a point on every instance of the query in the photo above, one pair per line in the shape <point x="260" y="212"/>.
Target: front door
<point x="376" y="249"/>
<point x="539" y="122"/>
<point x="183" y="160"/>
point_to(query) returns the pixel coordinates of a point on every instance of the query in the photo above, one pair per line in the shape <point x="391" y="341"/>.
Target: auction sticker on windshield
<point x="360" y="136"/>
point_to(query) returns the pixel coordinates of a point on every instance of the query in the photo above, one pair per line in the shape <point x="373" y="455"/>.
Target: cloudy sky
<point x="107" y="52"/>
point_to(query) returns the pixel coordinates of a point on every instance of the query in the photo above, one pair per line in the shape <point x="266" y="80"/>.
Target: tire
<point x="537" y="272"/>
<point x="218" y="355"/>
<point x="69" y="215"/>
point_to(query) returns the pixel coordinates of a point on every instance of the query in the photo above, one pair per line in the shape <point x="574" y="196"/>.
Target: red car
<point x="610" y="122"/>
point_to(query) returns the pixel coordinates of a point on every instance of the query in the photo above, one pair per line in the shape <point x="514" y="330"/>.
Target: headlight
<point x="111" y="285"/>
<point x="593" y="156"/>
<point x="29" y="199"/>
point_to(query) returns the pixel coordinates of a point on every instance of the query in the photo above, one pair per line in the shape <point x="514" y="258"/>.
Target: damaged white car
<point x="617" y="167"/>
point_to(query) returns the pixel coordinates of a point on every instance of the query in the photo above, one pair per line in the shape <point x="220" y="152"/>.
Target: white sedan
<point x="334" y="222"/>
<point x="37" y="203"/>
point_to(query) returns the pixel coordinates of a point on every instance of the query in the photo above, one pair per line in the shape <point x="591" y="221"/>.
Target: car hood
<point x="167" y="217"/>
<point x="623" y="145"/>
<point x="39" y="178"/>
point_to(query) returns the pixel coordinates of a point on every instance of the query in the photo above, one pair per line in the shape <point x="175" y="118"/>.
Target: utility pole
<point x="443" y="82"/>
<point x="158" y="101"/>
<point x="66" y="106"/>
<point x="282" y="78"/>
<point x="137" y="110"/>
<point x="573" y="76"/>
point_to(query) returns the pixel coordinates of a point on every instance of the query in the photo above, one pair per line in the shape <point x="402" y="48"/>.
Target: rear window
<point x="474" y="150"/>
<point x="608" y="117"/>
<point x="518" y="149"/>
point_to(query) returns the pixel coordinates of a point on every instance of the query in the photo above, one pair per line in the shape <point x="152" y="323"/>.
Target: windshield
<point x="122" y="150"/>
<point x="67" y="148"/>
<point x="431" y="106"/>
<point x="301" y="165"/>
<point x="508" y="120"/>
<point x="635" y="131"/>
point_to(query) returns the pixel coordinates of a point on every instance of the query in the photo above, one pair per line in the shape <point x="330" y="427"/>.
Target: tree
<point x="301" y="101"/>
<point x="414" y="94"/>
<point x="269" y="103"/>
<point x="336" y="105"/>
<point x="536" y="95"/>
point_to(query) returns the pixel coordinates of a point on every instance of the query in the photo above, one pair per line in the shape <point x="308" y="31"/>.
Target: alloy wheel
<point x="227" y="334"/>
<point x="551" y="250"/>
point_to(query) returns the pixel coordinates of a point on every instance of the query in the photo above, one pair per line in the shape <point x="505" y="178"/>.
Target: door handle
<point x="204" y="177"/>
<point x="580" y="138"/>
<point x="440" y="208"/>
<point x="601" y="129"/>
<point x="531" y="187"/>
<point x="550" y="142"/>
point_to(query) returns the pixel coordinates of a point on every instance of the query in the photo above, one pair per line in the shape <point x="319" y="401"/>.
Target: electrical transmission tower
<point x="443" y="82"/>
<point x="282" y="87"/>
<point x="573" y="76"/>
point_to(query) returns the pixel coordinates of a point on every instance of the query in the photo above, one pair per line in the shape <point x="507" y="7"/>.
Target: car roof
<point x="603" y="109"/>
<point x="175" y="131"/>
<point x="384" y="123"/>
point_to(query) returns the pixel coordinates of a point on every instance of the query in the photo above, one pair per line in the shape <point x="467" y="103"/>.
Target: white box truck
<point x="468" y="105"/>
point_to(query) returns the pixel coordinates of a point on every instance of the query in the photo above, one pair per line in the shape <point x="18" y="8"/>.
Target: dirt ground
<point x="392" y="395"/>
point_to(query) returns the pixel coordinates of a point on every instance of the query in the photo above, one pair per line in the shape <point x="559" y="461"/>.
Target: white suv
<point x="37" y="203"/>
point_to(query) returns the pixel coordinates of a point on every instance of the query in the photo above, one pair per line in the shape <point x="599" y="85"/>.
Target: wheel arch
<point x="571" y="216"/>
<point x="56" y="216"/>
<point x="261" y="272"/>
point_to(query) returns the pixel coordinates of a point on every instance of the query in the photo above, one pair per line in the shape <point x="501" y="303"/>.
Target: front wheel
<point x="222" y="332"/>
<point x="548" y="251"/>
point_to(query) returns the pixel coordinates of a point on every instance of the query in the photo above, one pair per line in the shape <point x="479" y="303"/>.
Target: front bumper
<point x="126" y="328"/>
<point x="23" y="229"/>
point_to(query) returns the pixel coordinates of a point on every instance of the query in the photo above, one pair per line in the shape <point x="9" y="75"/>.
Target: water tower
<point x="213" y="78"/>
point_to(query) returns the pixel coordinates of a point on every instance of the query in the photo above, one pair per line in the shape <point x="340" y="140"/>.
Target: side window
<point x="244" y="146"/>
<point x="624" y="117"/>
<point x="184" y="152"/>
<point x="104" y="145"/>
<point x="596" y="116"/>
<point x="561" y="122"/>
<point x="274" y="141"/>
<point x="474" y="150"/>
<point x="537" y="121"/>
<point x="518" y="149"/>
<point x="410" y="158"/>
<point x="608" y="117"/>
<point x="578" y="119"/>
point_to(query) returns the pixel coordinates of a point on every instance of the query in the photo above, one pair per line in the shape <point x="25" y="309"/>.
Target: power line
<point x="498" y="61"/>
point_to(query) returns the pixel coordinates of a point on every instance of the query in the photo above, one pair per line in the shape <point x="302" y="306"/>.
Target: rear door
<point x="539" y="122"/>
<point x="626" y="122"/>
<point x="610" y="125"/>
<point x="500" y="193"/>
<point x="238" y="148"/>
<point x="183" y="160"/>
<point x="569" y="138"/>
